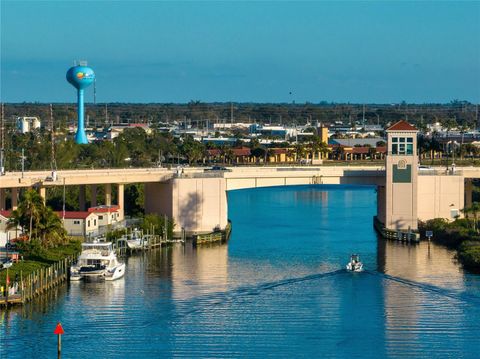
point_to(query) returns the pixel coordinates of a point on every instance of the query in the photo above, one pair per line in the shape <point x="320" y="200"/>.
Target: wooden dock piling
<point x="37" y="283"/>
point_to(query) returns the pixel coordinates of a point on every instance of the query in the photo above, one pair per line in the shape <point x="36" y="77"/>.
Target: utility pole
<point x="476" y="116"/>
<point x="106" y="114"/>
<point x="52" y="137"/>
<point x="363" y="117"/>
<point x="23" y="161"/>
<point x="2" y="142"/>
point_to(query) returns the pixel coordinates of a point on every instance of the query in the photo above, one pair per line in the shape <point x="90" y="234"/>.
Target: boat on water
<point x="135" y="239"/>
<point x="355" y="265"/>
<point x="97" y="261"/>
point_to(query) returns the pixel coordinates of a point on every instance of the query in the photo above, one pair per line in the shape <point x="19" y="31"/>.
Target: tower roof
<point x="402" y="125"/>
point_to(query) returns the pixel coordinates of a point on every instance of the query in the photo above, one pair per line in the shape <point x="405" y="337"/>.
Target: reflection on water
<point x="424" y="262"/>
<point x="278" y="288"/>
<point x="206" y="271"/>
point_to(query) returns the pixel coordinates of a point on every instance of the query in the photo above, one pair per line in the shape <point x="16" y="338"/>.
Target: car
<point x="218" y="168"/>
<point x="10" y="246"/>
<point x="5" y="263"/>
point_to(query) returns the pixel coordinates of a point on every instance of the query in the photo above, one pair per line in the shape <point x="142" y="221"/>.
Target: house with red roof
<point x="79" y="223"/>
<point x="107" y="215"/>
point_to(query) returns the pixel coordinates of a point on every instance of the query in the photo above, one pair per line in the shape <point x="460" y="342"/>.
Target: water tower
<point x="80" y="76"/>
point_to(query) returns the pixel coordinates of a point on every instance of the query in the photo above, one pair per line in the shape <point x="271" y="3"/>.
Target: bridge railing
<point x="440" y="172"/>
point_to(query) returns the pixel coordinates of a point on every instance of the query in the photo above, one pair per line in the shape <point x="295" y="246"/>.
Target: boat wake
<point x="233" y="294"/>
<point x="457" y="295"/>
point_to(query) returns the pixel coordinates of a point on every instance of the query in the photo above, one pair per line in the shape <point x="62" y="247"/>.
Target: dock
<point x="35" y="284"/>
<point x="216" y="236"/>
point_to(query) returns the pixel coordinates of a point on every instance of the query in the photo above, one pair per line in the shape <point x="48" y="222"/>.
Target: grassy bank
<point x="36" y="257"/>
<point x="461" y="234"/>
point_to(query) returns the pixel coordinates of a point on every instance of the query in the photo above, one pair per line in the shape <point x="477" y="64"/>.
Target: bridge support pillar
<point x="108" y="194"/>
<point x="93" y="195"/>
<point x="43" y="193"/>
<point x="121" y="201"/>
<point x="3" y="199"/>
<point x="198" y="205"/>
<point x="14" y="198"/>
<point x="81" y="198"/>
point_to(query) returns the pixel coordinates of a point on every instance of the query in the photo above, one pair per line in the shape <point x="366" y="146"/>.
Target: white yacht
<point x="97" y="261"/>
<point x="355" y="265"/>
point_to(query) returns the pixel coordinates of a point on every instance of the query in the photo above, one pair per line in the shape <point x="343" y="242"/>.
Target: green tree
<point x="474" y="209"/>
<point x="193" y="150"/>
<point x="42" y="223"/>
<point x="157" y="224"/>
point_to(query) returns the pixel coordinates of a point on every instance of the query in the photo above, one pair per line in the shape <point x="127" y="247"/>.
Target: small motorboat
<point x="355" y="265"/>
<point x="135" y="240"/>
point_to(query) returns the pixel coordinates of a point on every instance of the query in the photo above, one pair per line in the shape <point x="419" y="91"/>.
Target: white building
<point x="7" y="234"/>
<point x="107" y="215"/>
<point x="27" y="124"/>
<point x="80" y="223"/>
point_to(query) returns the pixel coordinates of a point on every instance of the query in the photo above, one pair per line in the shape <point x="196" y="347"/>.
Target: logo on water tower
<point x="84" y="75"/>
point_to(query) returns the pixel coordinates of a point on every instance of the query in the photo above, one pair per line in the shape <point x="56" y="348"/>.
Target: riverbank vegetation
<point x="45" y="241"/>
<point x="463" y="234"/>
<point x="34" y="256"/>
<point x="158" y="225"/>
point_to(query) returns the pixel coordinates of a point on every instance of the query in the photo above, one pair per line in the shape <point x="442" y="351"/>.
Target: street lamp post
<point x="453" y="143"/>
<point x="23" y="161"/>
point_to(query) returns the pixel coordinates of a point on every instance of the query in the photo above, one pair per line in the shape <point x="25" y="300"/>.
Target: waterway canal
<point x="277" y="288"/>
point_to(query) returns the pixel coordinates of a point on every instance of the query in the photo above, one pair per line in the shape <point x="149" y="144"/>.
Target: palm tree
<point x="300" y="151"/>
<point x="40" y="220"/>
<point x="315" y="145"/>
<point x="474" y="209"/>
<point x="31" y="206"/>
<point x="463" y="128"/>
<point x="324" y="150"/>
<point x="51" y="228"/>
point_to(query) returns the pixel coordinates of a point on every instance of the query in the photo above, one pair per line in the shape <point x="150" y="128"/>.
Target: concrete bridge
<point x="196" y="198"/>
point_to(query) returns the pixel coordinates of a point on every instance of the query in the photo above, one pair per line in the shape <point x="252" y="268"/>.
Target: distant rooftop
<point x="402" y="125"/>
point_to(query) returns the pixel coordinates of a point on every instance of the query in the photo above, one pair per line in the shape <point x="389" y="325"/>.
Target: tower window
<point x="402" y="145"/>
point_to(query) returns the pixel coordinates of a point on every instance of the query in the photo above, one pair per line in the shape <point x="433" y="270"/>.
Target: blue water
<point x="277" y="289"/>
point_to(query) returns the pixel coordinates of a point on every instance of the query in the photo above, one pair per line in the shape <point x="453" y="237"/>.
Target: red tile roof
<point x="5" y="214"/>
<point x="113" y="208"/>
<point x="279" y="151"/>
<point x="214" y="152"/>
<point x="359" y="150"/>
<point x="243" y="151"/>
<point x="402" y="125"/>
<point x="73" y="214"/>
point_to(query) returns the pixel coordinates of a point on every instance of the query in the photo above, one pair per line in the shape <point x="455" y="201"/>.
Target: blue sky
<point x="382" y="52"/>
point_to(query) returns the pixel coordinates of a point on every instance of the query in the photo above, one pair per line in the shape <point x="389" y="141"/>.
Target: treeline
<point x="195" y="111"/>
<point x="134" y="147"/>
